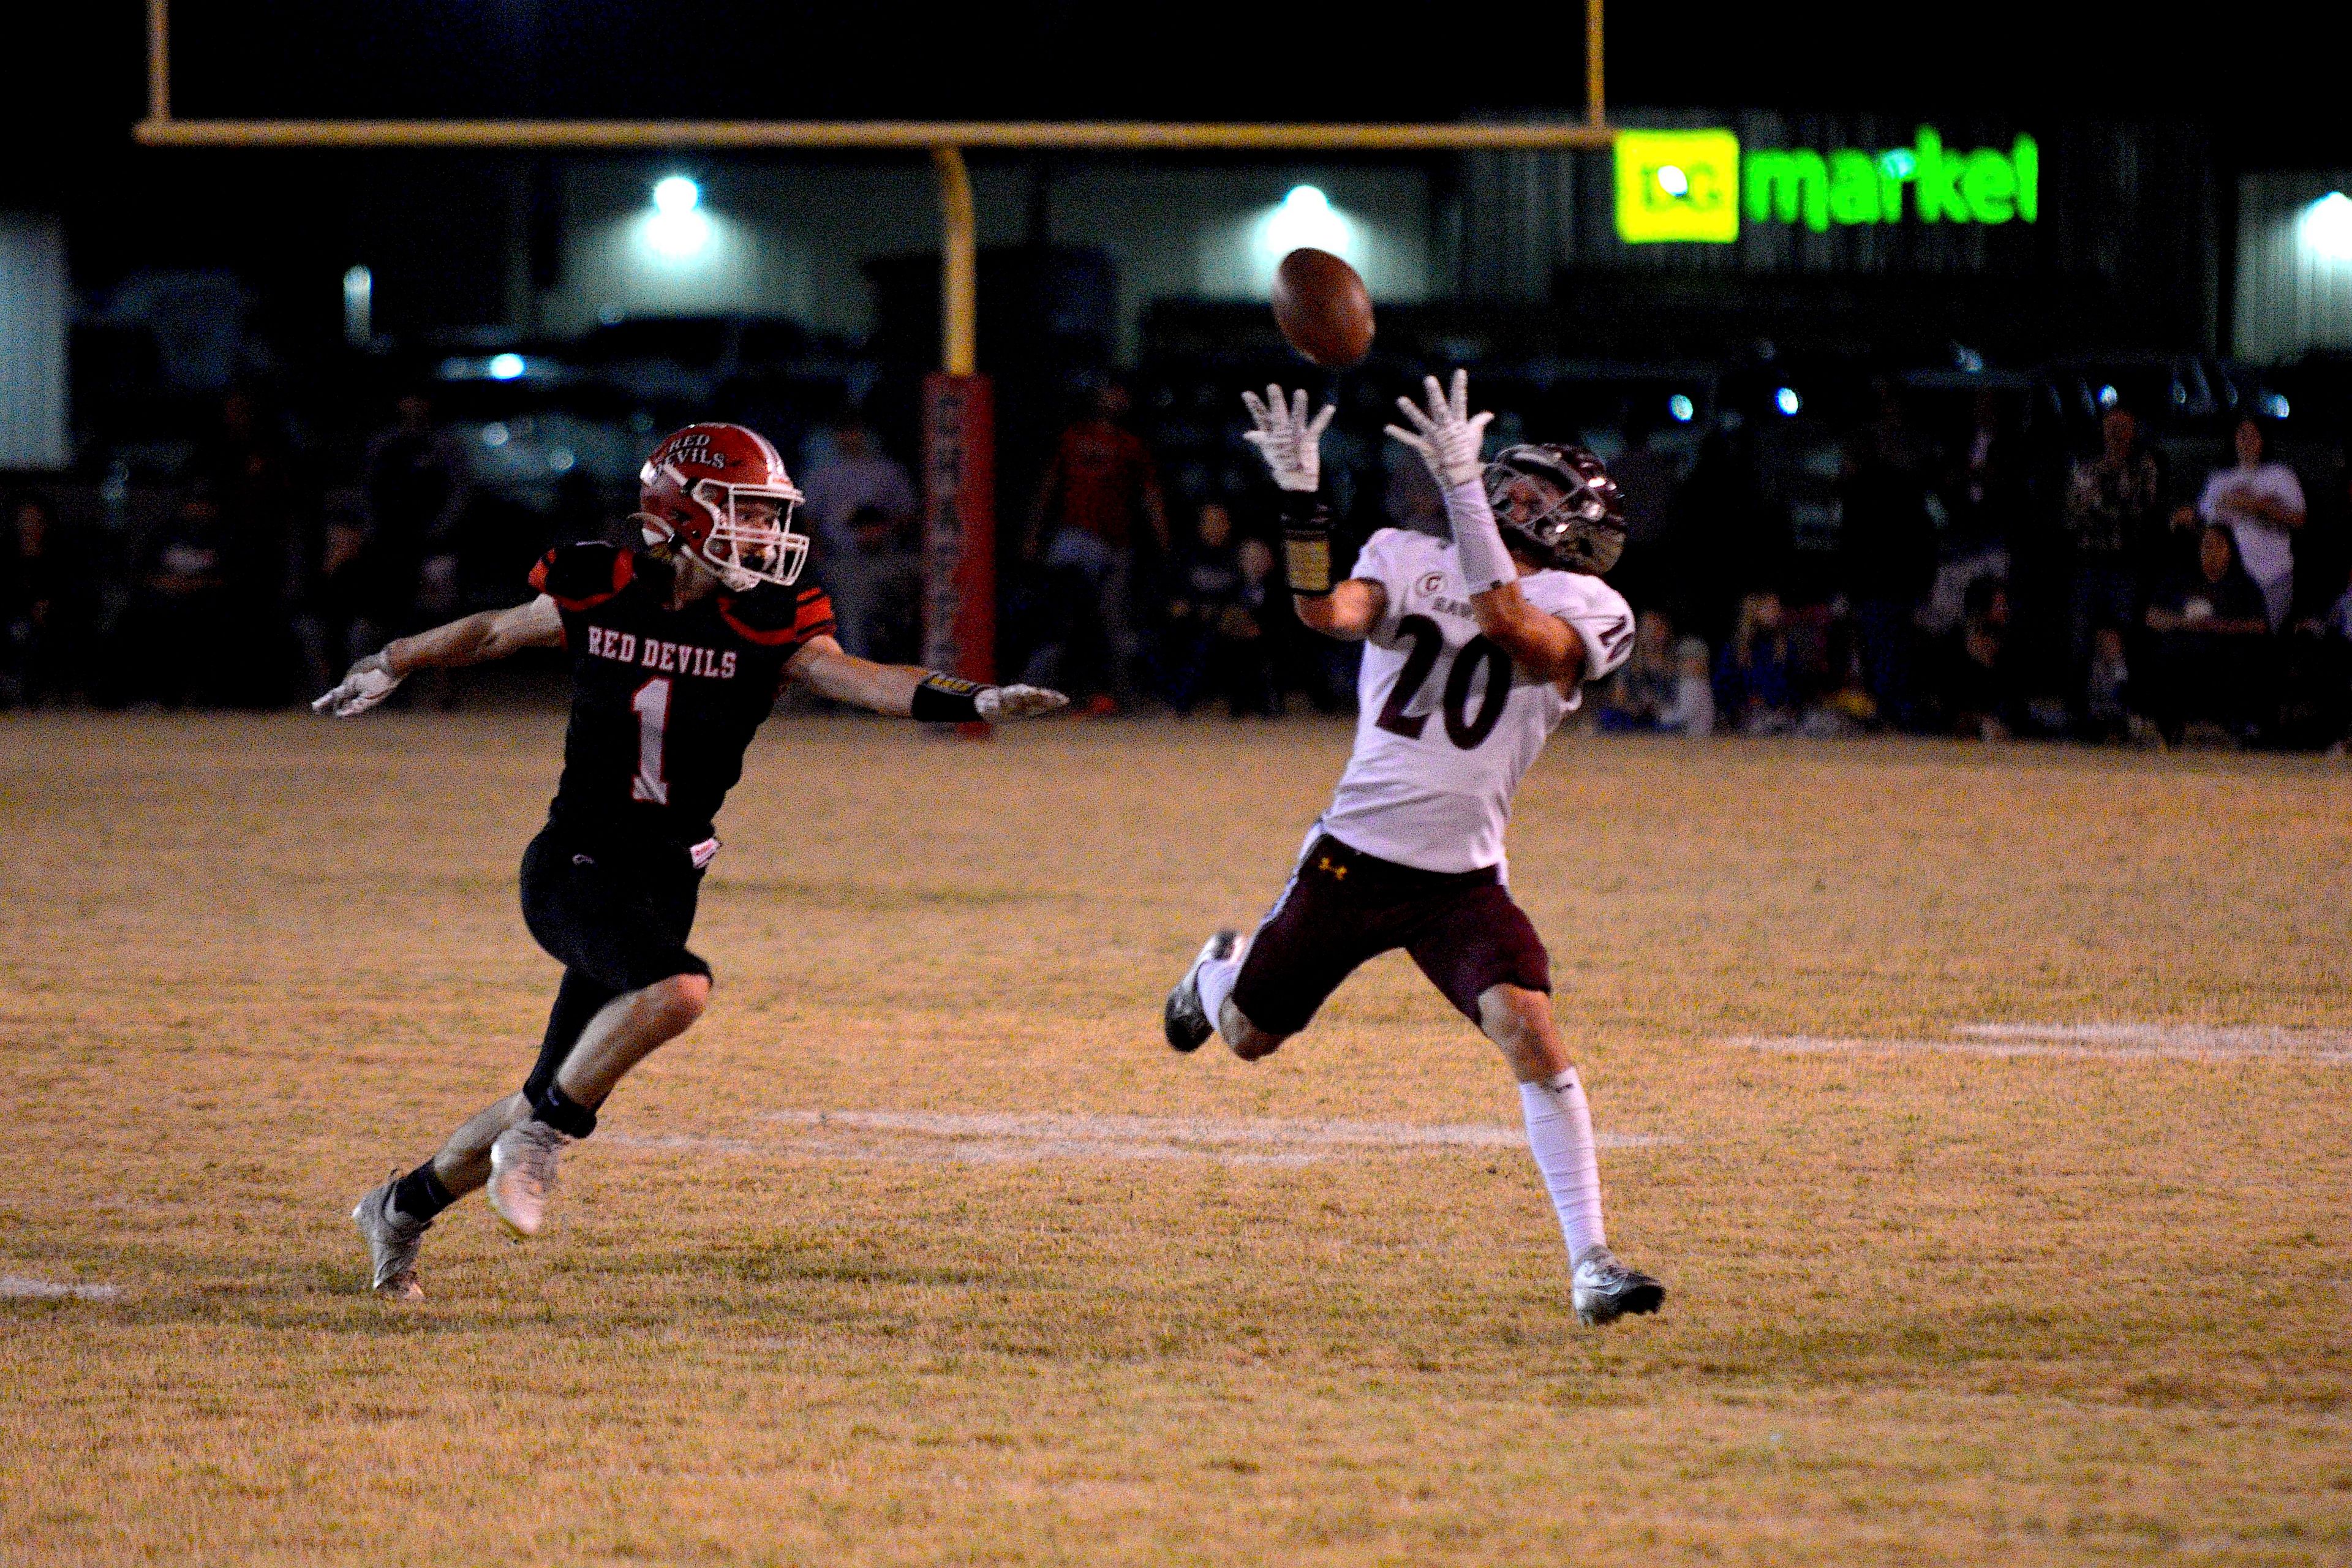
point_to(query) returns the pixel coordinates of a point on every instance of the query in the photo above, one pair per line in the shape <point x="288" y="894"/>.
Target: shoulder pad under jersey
<point x="775" y="616"/>
<point x="583" y="576"/>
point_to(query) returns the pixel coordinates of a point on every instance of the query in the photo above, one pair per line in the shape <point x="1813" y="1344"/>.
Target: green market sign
<point x="1699" y="184"/>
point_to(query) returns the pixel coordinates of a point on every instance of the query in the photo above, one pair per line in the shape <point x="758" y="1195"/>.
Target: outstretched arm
<point x="905" y="691"/>
<point x="472" y="639"/>
<point x="477" y="639"/>
<point x="1541" y="643"/>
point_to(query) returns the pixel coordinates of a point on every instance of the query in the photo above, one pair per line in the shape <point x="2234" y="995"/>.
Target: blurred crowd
<point x="1969" y="588"/>
<point x="1971" y="592"/>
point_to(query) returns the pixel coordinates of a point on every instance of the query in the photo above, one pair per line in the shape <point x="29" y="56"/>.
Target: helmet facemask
<point x="745" y="534"/>
<point x="1559" y="506"/>
<point x="751" y="540"/>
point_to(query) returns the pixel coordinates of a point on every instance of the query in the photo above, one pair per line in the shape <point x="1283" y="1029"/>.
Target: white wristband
<point x="1486" y="563"/>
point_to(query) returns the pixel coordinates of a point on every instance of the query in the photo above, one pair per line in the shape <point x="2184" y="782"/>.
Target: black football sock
<point x="420" y="1195"/>
<point x="563" y="1114"/>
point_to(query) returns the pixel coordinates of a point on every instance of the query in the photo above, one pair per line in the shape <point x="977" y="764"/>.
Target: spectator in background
<point x="1754" y="687"/>
<point x="2209" y="634"/>
<point x="1216" y="644"/>
<point x="862" y="509"/>
<point x="41" y="612"/>
<point x="1204" y="579"/>
<point x="415" y="481"/>
<point x="1101" y="491"/>
<point x="1241" y="663"/>
<point x="2261" y="503"/>
<point x="174" y="632"/>
<point x="2114" y="521"/>
<point x="1645" y="690"/>
<point x="332" y="621"/>
<point x="248" y="463"/>
<point x="1693" y="710"/>
<point x="1976" y="692"/>
<point x="1989" y="496"/>
<point x="2106" y="707"/>
<point x="1887" y="551"/>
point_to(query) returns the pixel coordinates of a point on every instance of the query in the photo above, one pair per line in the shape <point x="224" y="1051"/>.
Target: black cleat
<point x="1187" y="1022"/>
<point x="1603" y="1290"/>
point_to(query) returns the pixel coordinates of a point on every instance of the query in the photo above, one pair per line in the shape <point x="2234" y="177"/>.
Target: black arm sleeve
<point x="1307" y="543"/>
<point x="946" y="699"/>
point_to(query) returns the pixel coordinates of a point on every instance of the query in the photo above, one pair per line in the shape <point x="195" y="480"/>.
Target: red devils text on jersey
<point x="663" y="702"/>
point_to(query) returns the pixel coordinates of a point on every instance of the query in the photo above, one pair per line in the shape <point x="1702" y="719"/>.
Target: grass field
<point x="924" y="1248"/>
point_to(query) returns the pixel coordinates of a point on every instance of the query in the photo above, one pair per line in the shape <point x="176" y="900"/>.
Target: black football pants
<point x="617" y="922"/>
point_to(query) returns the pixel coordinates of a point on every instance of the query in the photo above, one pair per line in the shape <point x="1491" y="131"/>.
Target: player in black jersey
<point x="678" y="653"/>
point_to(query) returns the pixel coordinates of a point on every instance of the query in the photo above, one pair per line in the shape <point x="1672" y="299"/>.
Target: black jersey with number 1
<point x="663" y="702"/>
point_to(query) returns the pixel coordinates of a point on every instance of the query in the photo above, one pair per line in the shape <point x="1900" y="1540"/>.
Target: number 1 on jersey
<point x="652" y="705"/>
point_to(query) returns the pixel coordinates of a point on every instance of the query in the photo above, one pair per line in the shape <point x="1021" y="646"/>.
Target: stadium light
<point x="678" y="229"/>
<point x="2328" y="227"/>
<point x="1785" y="400"/>
<point x="506" y="367"/>
<point x="359" y="307"/>
<point x="1680" y="408"/>
<point x="1307" y="217"/>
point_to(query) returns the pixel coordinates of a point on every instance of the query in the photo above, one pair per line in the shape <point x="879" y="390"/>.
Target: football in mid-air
<point x="1323" y="308"/>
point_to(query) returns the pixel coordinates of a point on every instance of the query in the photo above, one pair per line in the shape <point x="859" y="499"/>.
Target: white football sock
<point x="1560" y="1135"/>
<point x="1216" y="982"/>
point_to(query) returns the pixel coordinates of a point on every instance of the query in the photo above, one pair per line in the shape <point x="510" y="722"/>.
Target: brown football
<point x="1322" y="308"/>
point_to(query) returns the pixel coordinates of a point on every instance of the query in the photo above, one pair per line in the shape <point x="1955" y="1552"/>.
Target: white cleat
<point x="393" y="1240"/>
<point x="1185" y="1019"/>
<point x="1605" y="1289"/>
<point x="522" y="1175"/>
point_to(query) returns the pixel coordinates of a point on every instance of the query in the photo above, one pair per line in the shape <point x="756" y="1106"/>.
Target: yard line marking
<point x="1009" y="1137"/>
<point x="1051" y="1124"/>
<point x="51" y="1290"/>
<point x="2086" y="1042"/>
<point x="2251" y="1039"/>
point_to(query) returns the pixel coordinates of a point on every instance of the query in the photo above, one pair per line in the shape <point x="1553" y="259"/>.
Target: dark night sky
<point x="80" y="75"/>
<point x="2269" y="92"/>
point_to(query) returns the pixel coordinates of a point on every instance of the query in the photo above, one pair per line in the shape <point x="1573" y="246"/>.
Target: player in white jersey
<point x="1474" y="653"/>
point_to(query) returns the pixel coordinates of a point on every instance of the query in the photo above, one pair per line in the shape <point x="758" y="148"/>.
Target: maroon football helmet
<point x="1559" y="505"/>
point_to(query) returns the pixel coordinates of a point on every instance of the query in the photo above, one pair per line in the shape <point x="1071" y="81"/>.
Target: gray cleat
<point x="1187" y="1022"/>
<point x="1605" y="1289"/>
<point x="522" y="1175"/>
<point x="393" y="1240"/>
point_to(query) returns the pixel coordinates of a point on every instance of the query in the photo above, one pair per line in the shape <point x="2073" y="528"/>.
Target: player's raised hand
<point x="367" y="683"/>
<point x="1290" y="443"/>
<point x="1449" y="438"/>
<point x="996" y="702"/>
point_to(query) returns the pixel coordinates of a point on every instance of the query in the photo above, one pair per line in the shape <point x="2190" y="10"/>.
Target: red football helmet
<point x="720" y="492"/>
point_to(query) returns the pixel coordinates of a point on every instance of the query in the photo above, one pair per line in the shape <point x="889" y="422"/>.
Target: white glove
<point x="996" y="702"/>
<point x="1290" y="443"/>
<point x="371" y="680"/>
<point x="1448" y="437"/>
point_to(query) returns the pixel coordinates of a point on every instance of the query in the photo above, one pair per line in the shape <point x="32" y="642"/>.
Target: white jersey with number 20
<point x="1447" y="729"/>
